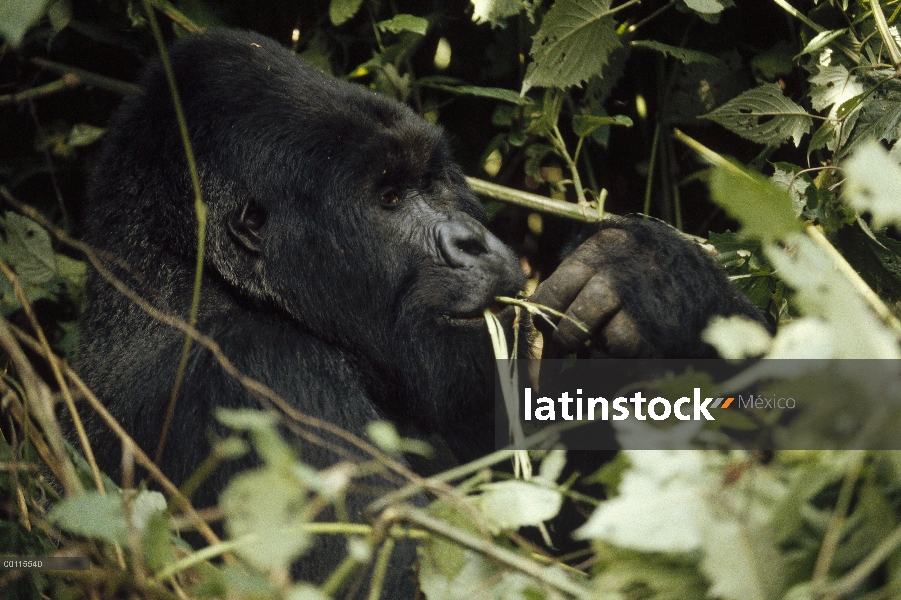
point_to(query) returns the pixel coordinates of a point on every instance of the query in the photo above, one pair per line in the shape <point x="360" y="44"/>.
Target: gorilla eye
<point x="390" y="199"/>
<point x="425" y="184"/>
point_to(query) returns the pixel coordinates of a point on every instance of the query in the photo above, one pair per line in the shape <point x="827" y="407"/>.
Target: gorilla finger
<point x="608" y="242"/>
<point x="560" y="289"/>
<point x="593" y="307"/>
<point x="620" y="337"/>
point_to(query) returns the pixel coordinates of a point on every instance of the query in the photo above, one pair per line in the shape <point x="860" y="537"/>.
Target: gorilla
<point x="347" y="267"/>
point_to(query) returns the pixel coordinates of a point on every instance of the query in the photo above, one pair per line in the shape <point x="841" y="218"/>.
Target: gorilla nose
<point x="462" y="243"/>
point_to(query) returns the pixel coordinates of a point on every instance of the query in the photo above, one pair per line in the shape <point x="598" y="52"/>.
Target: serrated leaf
<point x="17" y="17"/>
<point x="763" y="115"/>
<point x="764" y="210"/>
<point x="409" y="23"/>
<point x="585" y="124"/>
<point x="573" y="44"/>
<point x="878" y="120"/>
<point x="681" y="54"/>
<point x="30" y="250"/>
<point x="788" y="177"/>
<point x="872" y="184"/>
<point x="340" y="11"/>
<point x="833" y="85"/>
<point x="705" y="7"/>
<point x="673" y="522"/>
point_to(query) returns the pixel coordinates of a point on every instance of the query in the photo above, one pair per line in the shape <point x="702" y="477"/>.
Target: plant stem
<point x="887" y="38"/>
<point x="560" y="145"/>
<point x="799" y="15"/>
<point x="535" y="202"/>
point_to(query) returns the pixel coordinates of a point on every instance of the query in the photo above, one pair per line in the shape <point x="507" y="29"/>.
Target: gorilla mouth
<point x="477" y="316"/>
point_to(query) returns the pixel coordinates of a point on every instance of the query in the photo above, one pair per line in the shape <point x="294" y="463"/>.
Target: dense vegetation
<point x="630" y="108"/>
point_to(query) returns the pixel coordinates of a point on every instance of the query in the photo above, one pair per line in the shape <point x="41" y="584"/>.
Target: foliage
<point x="553" y="100"/>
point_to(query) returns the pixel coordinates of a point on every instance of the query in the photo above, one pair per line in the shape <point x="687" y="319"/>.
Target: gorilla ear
<point x="244" y="226"/>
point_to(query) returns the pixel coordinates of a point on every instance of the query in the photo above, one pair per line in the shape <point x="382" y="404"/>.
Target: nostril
<point x="461" y="243"/>
<point x="471" y="246"/>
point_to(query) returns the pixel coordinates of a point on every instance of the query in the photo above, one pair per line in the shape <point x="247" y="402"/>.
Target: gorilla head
<point x="332" y="210"/>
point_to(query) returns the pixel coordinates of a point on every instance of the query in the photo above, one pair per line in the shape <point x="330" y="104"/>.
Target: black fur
<point x="347" y="267"/>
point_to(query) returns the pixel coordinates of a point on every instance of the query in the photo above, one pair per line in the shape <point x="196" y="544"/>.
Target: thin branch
<point x="585" y="213"/>
<point x="799" y="15"/>
<point x="87" y="78"/>
<point x="66" y="82"/>
<point x="200" y="209"/>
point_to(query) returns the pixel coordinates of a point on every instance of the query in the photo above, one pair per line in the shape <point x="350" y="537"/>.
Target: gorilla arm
<point x="640" y="290"/>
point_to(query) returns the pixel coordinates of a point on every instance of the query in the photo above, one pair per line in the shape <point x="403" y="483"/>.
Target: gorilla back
<point x="346" y="266"/>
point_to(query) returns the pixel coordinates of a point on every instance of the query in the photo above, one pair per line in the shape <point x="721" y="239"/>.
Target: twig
<point x="799" y="15"/>
<point x="88" y="78"/>
<point x="585" y="212"/>
<point x="200" y="210"/>
<point x="66" y="82"/>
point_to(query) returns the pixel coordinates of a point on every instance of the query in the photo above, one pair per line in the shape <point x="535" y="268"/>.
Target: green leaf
<point x="17" y="17"/>
<point x="584" y="124"/>
<point x="384" y="435"/>
<point x="681" y="54"/>
<point x="266" y="439"/>
<point x="820" y="41"/>
<point x="736" y="337"/>
<point x="92" y="515"/>
<point x="340" y="11"/>
<point x="516" y="503"/>
<point x="833" y="85"/>
<point x="60" y="15"/>
<point x="265" y="508"/>
<point x="705" y="7"/>
<point x="103" y="517"/>
<point x="764" y="210"/>
<point x="878" y="120"/>
<point x="409" y="23"/>
<point x="83" y="134"/>
<point x="495" y="11"/>
<point x="763" y="115"/>
<point x="840" y="323"/>
<point x="872" y="184"/>
<point x="30" y="250"/>
<point x="789" y="177"/>
<point x="673" y="522"/>
<point x="456" y="86"/>
<point x="573" y="44"/>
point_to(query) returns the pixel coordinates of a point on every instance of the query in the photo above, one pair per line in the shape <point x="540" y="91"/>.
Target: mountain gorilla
<point x="347" y="267"/>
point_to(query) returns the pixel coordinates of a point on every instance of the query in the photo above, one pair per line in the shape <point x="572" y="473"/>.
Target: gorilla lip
<point x="478" y="315"/>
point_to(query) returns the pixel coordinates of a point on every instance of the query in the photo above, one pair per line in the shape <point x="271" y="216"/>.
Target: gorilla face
<point x="335" y="207"/>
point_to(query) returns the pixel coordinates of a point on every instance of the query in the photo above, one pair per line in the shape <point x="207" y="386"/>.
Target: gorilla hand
<point x="636" y="289"/>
